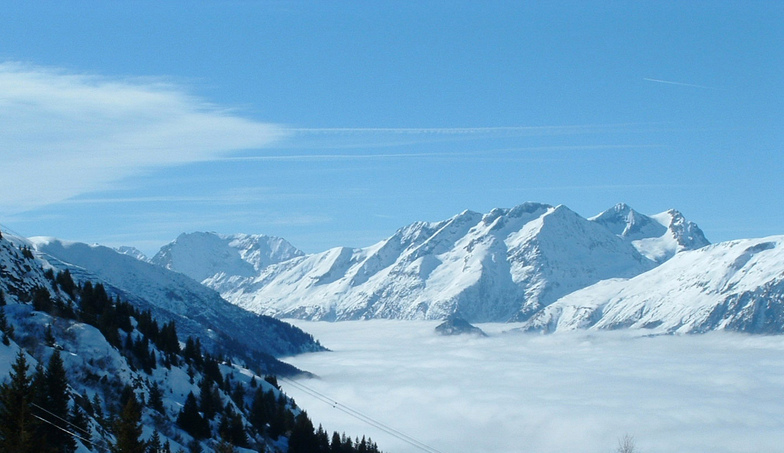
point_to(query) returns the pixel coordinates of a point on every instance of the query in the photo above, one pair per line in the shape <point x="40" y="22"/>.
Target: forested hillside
<point x="83" y="371"/>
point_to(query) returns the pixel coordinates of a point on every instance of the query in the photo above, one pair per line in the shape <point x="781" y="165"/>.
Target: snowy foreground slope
<point x="500" y="266"/>
<point x="198" y="310"/>
<point x="126" y="382"/>
<point x="735" y="285"/>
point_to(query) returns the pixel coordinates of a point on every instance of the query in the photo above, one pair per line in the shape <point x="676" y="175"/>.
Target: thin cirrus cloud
<point x="65" y="134"/>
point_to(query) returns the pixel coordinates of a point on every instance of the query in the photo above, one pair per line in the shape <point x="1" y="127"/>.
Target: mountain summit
<point x="658" y="237"/>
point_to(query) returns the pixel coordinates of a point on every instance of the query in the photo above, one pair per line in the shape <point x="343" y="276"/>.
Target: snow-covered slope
<point x="736" y="285"/>
<point x="198" y="311"/>
<point x="502" y="265"/>
<point x="99" y="375"/>
<point x="658" y="237"/>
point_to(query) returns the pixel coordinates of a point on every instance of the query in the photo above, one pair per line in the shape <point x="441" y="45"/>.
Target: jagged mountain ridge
<point x="503" y="265"/>
<point x="658" y="237"/>
<point x="198" y="311"/>
<point x="735" y="285"/>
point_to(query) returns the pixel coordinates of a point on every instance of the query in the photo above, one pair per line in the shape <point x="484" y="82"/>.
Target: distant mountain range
<point x="542" y="265"/>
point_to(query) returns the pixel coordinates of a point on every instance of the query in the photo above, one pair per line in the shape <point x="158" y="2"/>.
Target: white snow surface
<point x="485" y="267"/>
<point x="735" y="285"/>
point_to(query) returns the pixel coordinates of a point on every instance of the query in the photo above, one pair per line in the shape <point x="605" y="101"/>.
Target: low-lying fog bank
<point x="576" y="392"/>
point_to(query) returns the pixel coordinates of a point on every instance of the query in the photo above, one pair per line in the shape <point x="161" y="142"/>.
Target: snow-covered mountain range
<point x="504" y="265"/>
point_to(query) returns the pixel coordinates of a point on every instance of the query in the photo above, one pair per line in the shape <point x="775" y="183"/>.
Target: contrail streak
<point x="456" y="130"/>
<point x="669" y="82"/>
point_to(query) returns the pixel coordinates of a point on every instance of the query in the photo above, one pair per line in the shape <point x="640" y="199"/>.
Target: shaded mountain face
<point x="735" y="285"/>
<point x="503" y="265"/>
<point x="198" y="311"/>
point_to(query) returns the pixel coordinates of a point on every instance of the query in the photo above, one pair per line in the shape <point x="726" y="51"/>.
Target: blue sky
<point x="335" y="123"/>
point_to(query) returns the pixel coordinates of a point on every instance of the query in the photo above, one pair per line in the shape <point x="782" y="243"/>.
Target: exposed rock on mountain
<point x="458" y="326"/>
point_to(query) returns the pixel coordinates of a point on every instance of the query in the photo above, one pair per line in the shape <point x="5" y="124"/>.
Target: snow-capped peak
<point x="132" y="251"/>
<point x="657" y="237"/>
<point x="202" y="255"/>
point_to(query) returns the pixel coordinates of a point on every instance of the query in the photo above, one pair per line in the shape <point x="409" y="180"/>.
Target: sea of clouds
<point x="575" y="392"/>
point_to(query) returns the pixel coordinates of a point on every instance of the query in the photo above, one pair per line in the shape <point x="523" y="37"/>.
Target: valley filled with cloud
<point x="514" y="392"/>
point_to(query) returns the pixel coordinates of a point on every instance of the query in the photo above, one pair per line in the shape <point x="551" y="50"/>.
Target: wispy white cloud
<point x="64" y="134"/>
<point x="670" y="82"/>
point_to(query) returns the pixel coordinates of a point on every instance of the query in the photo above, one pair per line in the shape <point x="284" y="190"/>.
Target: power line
<point x="362" y="417"/>
<point x="60" y="418"/>
<point x="85" y="441"/>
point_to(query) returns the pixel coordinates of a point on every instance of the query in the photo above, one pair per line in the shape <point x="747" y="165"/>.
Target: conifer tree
<point x="128" y="429"/>
<point x="66" y="282"/>
<point x="55" y="405"/>
<point x="17" y="424"/>
<point x="155" y="398"/>
<point x="335" y="446"/>
<point x="6" y="330"/>
<point x="191" y="420"/>
<point x="42" y="300"/>
<point x="79" y="421"/>
<point x="154" y="443"/>
<point x="303" y="438"/>
<point x="49" y="336"/>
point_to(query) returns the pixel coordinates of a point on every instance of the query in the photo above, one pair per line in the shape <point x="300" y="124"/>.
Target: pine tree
<point x="66" y="282"/>
<point x="49" y="336"/>
<point x="154" y="444"/>
<point x="128" y="429"/>
<point x="191" y="420"/>
<point x="155" y="398"/>
<point x="79" y="421"/>
<point x="5" y="329"/>
<point x="303" y="438"/>
<point x="55" y="387"/>
<point x="209" y="399"/>
<point x="42" y="300"/>
<point x="17" y="424"/>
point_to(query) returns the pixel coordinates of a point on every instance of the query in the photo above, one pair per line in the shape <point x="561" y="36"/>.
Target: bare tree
<point x="626" y="444"/>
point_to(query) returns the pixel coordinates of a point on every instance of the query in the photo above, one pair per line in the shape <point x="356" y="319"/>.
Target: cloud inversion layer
<point x="566" y="392"/>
